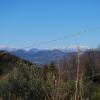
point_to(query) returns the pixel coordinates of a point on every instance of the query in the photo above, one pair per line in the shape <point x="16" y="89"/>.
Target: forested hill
<point x="8" y="62"/>
<point x="23" y="81"/>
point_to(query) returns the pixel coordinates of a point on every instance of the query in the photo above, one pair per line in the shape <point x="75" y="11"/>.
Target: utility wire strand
<point x="59" y="39"/>
<point x="92" y="76"/>
<point x="63" y="38"/>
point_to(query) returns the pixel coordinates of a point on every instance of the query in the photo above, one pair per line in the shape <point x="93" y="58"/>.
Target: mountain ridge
<point x="42" y="56"/>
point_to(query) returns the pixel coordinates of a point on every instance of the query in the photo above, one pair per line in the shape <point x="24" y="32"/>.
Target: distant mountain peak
<point x="81" y="46"/>
<point x="73" y="48"/>
<point x="7" y="48"/>
<point x="42" y="56"/>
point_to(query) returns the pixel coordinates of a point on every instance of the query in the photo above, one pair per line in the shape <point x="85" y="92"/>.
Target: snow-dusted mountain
<point x="38" y="56"/>
<point x="74" y="48"/>
<point x="7" y="48"/>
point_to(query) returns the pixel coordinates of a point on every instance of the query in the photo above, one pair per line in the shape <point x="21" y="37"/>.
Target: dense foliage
<point x="21" y="80"/>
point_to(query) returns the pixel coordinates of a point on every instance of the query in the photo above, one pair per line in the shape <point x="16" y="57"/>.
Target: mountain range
<point x="42" y="56"/>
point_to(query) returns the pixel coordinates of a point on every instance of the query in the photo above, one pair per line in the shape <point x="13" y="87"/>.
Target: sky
<point x="28" y="22"/>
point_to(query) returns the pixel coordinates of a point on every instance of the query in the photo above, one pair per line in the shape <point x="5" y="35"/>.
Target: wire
<point x="97" y="74"/>
<point x="62" y="38"/>
<point x="92" y="76"/>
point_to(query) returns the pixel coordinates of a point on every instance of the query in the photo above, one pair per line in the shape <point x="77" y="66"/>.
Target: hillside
<point x="8" y="62"/>
<point x="27" y="82"/>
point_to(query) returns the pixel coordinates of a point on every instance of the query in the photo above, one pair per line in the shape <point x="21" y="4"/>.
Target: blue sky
<point x="28" y="22"/>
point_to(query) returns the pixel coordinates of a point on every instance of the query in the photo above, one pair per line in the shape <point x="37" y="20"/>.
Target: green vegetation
<point x="21" y="80"/>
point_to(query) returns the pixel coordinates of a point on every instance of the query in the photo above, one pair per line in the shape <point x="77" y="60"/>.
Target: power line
<point x="98" y="74"/>
<point x="92" y="76"/>
<point x="63" y="38"/>
<point x="59" y="39"/>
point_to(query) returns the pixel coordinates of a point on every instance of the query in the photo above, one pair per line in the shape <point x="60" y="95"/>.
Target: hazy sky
<point x="28" y="22"/>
